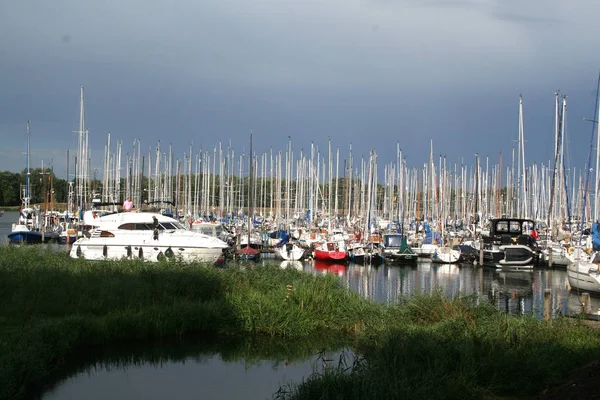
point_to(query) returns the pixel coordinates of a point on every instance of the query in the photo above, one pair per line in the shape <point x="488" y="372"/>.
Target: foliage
<point x="52" y="306"/>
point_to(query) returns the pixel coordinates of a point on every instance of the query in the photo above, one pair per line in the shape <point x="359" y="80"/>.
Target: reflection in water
<point x="576" y="306"/>
<point x="206" y="368"/>
<point x="292" y="264"/>
<point x="329" y="268"/>
<point x="515" y="292"/>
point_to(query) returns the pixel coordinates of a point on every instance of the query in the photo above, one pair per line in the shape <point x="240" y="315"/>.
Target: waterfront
<point x="513" y="292"/>
<point x="516" y="292"/>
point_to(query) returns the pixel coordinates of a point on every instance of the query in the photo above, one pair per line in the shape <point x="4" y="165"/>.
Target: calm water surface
<point x="6" y="221"/>
<point x="192" y="378"/>
<point x="214" y="378"/>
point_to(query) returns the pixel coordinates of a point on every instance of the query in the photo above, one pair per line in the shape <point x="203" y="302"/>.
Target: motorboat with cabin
<point x="143" y="235"/>
<point x="510" y="244"/>
<point x="397" y="250"/>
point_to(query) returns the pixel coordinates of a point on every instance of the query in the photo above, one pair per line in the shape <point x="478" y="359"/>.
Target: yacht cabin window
<point x="515" y="227"/>
<point x="142" y="226"/>
<point x="502" y="226"/>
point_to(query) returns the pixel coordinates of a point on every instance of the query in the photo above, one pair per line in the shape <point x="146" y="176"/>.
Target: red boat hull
<point x="329" y="267"/>
<point x="322" y="255"/>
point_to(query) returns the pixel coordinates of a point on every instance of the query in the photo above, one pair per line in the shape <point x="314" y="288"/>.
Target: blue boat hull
<point x="25" y="237"/>
<point x="66" y="239"/>
<point x="30" y="237"/>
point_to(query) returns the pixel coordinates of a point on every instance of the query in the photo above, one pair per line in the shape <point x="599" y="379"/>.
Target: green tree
<point x="9" y="188"/>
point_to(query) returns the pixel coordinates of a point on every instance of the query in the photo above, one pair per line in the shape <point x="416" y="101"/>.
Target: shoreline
<point x="53" y="306"/>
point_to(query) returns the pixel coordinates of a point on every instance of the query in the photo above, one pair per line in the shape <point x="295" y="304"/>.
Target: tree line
<point x="43" y="184"/>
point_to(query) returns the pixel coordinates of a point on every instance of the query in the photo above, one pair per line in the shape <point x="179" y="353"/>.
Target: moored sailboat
<point x="30" y="227"/>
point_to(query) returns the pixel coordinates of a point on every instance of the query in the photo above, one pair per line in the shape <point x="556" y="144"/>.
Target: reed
<point x="53" y="306"/>
<point x="445" y="349"/>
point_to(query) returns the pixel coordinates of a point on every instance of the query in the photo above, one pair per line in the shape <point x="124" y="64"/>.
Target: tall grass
<point x="52" y="307"/>
<point x="455" y="349"/>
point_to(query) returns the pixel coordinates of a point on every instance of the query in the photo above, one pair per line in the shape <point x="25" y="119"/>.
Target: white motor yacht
<point x="143" y="235"/>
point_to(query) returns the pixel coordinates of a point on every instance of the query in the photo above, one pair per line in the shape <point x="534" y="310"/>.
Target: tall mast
<point x="499" y="188"/>
<point x="329" y="186"/>
<point x="80" y="172"/>
<point x="596" y="200"/>
<point x="27" y="183"/>
<point x="250" y="203"/>
<point x="476" y="208"/>
<point x="337" y="179"/>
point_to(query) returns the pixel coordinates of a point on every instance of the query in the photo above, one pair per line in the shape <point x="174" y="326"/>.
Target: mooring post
<point x="547" y="303"/>
<point x="586" y="304"/>
<point x="481" y="252"/>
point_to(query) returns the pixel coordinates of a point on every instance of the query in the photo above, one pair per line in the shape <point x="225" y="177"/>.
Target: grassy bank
<point x="452" y="350"/>
<point x="52" y="306"/>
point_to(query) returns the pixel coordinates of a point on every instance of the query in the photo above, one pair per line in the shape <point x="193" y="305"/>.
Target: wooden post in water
<point x="586" y="303"/>
<point x="547" y="303"/>
<point x="481" y="252"/>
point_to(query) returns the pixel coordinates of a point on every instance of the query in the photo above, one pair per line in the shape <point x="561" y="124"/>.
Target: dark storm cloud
<point x="373" y="73"/>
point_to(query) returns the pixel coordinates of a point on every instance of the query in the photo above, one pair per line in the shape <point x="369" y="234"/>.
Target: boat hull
<point x="331" y="256"/>
<point x="426" y="250"/>
<point x="30" y="237"/>
<point x="105" y="250"/>
<point x="289" y="252"/>
<point x="397" y="256"/>
<point x="584" y="276"/>
<point x="556" y="258"/>
<point x="445" y="255"/>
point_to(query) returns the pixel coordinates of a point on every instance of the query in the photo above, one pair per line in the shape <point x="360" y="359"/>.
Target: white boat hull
<point x="584" y="276"/>
<point x="85" y="249"/>
<point x="445" y="255"/>
<point x="558" y="257"/>
<point x="289" y="252"/>
<point x="425" y="250"/>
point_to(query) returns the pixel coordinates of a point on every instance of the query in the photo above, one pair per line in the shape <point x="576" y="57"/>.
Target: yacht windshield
<point x="171" y="225"/>
<point x="393" y="241"/>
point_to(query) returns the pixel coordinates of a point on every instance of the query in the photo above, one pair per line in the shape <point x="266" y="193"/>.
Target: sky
<point x="372" y="73"/>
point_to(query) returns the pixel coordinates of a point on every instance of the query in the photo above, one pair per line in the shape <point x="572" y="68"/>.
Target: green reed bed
<point x="436" y="348"/>
<point x="52" y="306"/>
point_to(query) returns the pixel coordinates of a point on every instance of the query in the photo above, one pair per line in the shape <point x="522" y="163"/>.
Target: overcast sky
<point x="372" y="73"/>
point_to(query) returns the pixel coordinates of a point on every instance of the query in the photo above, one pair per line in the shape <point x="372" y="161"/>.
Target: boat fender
<point x="570" y="250"/>
<point x="78" y="251"/>
<point x="160" y="256"/>
<point x="141" y="254"/>
<point x="128" y="248"/>
<point x="169" y="252"/>
<point x="105" y="251"/>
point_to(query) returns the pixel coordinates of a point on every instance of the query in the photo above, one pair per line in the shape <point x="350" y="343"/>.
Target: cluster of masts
<point x="289" y="185"/>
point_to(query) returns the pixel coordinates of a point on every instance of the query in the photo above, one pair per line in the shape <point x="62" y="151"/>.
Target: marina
<point x="305" y="203"/>
<point x="518" y="292"/>
<point x="300" y="200"/>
